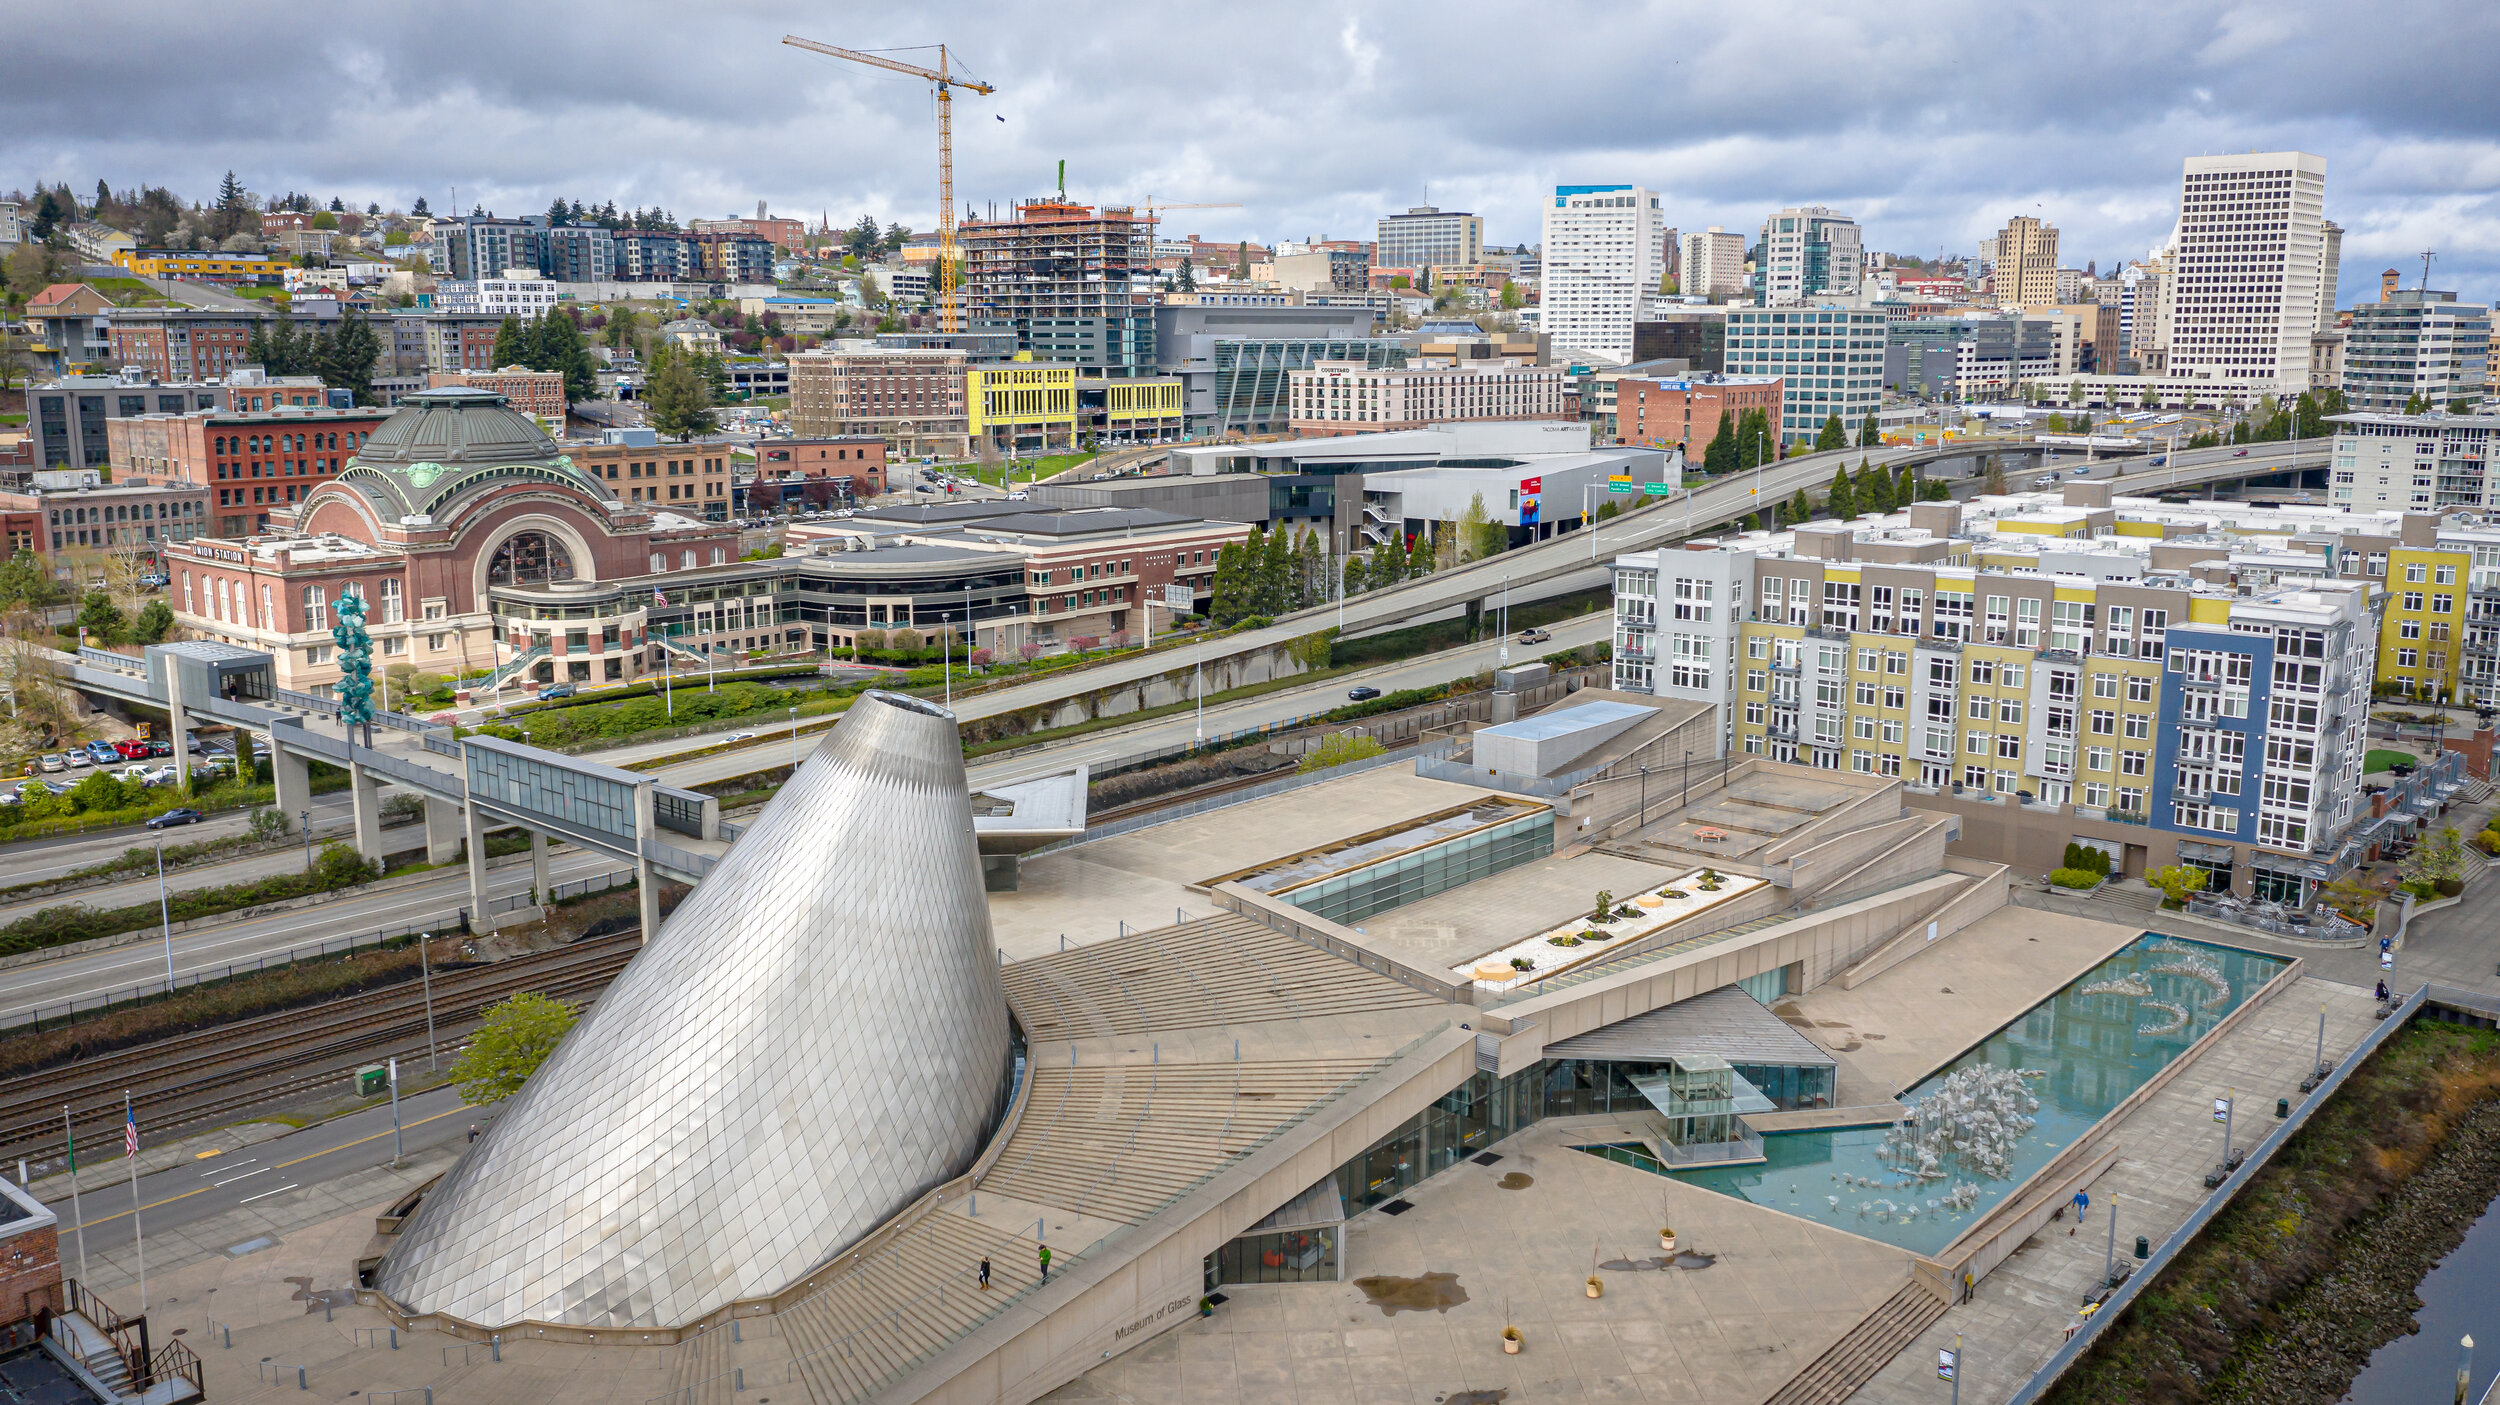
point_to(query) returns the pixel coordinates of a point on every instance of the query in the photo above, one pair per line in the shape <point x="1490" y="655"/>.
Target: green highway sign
<point x="1657" y="490"/>
<point x="1622" y="487"/>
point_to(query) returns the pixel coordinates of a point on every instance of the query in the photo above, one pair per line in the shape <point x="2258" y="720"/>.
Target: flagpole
<point x="138" y="1233"/>
<point x="71" y="1132"/>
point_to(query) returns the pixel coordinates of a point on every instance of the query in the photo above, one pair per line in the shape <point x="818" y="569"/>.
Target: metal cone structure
<point x="816" y="1037"/>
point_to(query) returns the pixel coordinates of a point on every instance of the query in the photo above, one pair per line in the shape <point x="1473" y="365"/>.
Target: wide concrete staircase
<point x="1866" y="1349"/>
<point x="1213" y="971"/>
<point x="1120" y="1142"/>
<point x="888" y="1307"/>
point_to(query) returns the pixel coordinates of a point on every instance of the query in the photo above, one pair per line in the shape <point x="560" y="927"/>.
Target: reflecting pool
<point x="2078" y="1054"/>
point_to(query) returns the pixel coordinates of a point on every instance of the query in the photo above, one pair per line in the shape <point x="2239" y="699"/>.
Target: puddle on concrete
<point x="1633" y="1265"/>
<point x="1833" y="1024"/>
<point x="1690" y="1260"/>
<point x="1517" y="1180"/>
<point x="1433" y="1292"/>
<point x="1494" y="1396"/>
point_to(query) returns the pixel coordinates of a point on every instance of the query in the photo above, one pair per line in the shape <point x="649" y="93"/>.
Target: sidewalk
<point x="2019" y="1313"/>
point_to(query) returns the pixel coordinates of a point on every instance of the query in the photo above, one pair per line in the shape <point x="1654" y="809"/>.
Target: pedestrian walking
<point x="2382" y="992"/>
<point x="1045" y="1256"/>
<point x="985" y="1273"/>
<point x="472" y="1131"/>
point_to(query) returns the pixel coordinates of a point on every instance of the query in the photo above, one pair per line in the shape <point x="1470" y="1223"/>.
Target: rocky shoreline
<point x="2323" y="1335"/>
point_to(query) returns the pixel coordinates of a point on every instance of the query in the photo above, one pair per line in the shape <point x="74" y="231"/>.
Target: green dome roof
<point x="441" y="443"/>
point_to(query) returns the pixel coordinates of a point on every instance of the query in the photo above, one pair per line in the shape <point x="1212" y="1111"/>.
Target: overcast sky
<point x="1930" y="121"/>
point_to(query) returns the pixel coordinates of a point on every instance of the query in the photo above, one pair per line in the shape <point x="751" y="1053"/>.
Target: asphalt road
<point x="436" y="901"/>
<point x="197" y="1190"/>
<point x="39" y="859"/>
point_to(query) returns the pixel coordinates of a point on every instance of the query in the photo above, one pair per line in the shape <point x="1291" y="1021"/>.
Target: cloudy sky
<point x="1930" y="121"/>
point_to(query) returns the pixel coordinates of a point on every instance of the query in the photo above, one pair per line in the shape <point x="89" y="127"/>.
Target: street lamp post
<point x="425" y="974"/>
<point x="305" y="818"/>
<point x="794" y="742"/>
<point x="165" y="913"/>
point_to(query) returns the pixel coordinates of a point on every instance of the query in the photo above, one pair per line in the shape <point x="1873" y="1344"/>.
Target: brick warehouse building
<point x="858" y="457"/>
<point x="1683" y="411"/>
<point x="538" y="394"/>
<point x="253" y="464"/>
<point x="474" y="541"/>
<point x="690" y="478"/>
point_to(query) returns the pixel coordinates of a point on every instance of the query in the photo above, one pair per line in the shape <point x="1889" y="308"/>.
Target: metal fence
<point x="54" y="1012"/>
<point x="597" y="883"/>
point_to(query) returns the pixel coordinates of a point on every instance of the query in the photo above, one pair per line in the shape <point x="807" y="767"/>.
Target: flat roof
<point x="1563" y="721"/>
<point x="1725" y="1023"/>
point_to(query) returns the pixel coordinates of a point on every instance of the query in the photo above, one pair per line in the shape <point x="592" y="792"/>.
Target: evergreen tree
<point x="419" y="211"/>
<point x="514" y="345"/>
<point x="1800" y="511"/>
<point x="1842" y="499"/>
<point x="1832" y="435"/>
<point x="1231" y="585"/>
<point x="1904" y="491"/>
<point x="1995" y="481"/>
<point x="1310" y="573"/>
<point x="1752" y="522"/>
<point x="1354" y="577"/>
<point x="560" y="347"/>
<point x="678" y="398"/>
<point x="1720" y="456"/>
<point x="1934" y="490"/>
<point x="347" y="356"/>
<point x="1480" y="533"/>
<point x="1275" y="573"/>
<point x="1388" y="562"/>
<point x="1870" y="434"/>
<point x="1874" y="487"/>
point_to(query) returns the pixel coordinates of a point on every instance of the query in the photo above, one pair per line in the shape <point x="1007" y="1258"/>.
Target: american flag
<point x="130" y="1133"/>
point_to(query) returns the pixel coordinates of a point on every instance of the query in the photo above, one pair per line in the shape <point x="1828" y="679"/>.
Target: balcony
<point x="1789" y="669"/>
<point x="1779" y="733"/>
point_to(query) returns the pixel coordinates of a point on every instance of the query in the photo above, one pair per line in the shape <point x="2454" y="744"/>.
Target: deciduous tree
<point x="516" y="1037"/>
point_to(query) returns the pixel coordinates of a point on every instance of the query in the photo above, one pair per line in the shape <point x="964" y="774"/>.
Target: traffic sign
<point x="1656" y="490"/>
<point x="1180" y="597"/>
<point x="1621" y="486"/>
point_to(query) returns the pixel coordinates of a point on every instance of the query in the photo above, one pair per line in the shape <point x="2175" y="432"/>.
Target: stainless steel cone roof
<point x="815" y="1038"/>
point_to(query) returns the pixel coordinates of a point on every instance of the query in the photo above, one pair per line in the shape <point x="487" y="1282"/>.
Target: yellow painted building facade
<point x="1022" y="404"/>
<point x="199" y="267"/>
<point x="2422" y="635"/>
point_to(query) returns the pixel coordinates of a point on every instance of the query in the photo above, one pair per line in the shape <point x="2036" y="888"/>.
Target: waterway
<point x="2460" y="1297"/>
<point x="2081" y="1051"/>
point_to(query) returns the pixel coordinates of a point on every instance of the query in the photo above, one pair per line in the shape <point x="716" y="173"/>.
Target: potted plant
<point x="1596" y="1288"/>
<point x="1511" y="1341"/>
<point x="1605" y="909"/>
<point x="1666" y="1240"/>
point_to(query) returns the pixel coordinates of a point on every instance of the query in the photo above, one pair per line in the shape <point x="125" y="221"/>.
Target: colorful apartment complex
<point x="202" y="266"/>
<point x="1021" y="404"/>
<point x="2202" y="673"/>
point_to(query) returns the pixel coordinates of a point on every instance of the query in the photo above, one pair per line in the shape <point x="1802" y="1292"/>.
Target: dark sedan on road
<point x="170" y="818"/>
<point x="1365" y="693"/>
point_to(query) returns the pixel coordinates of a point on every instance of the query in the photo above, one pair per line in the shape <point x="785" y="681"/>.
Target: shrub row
<point x="337" y="867"/>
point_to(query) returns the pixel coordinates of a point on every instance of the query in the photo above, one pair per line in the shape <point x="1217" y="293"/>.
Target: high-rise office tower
<point x="1427" y="237"/>
<point x="1712" y="265"/>
<point x="1605" y="250"/>
<point x="2251" y="253"/>
<point x="1808" y="251"/>
<point x="2026" y="275"/>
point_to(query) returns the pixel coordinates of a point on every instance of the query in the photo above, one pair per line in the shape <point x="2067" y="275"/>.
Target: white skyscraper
<point x="1808" y="252"/>
<point x="1713" y="265"/>
<point x="2251" y="255"/>
<point x="1605" y="250"/>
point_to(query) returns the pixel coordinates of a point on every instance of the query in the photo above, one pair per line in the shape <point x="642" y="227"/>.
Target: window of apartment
<point x="2096" y="758"/>
<point x="1895" y="697"/>
<point x="1755" y="679"/>
<point x="1753" y="713"/>
<point x="2104" y="685"/>
<point x="2443" y="604"/>
<point x="1862" y="726"/>
<point x="2445" y="575"/>
<point x="2134" y="763"/>
<point x="2009" y="748"/>
<point x="1983" y="670"/>
<point x="1982" y="707"/>
<point x="2415" y="573"/>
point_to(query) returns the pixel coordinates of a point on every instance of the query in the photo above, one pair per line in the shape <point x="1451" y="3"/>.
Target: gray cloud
<point x="1931" y="122"/>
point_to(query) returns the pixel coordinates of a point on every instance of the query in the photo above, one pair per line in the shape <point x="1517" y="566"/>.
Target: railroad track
<point x="193" y="1078"/>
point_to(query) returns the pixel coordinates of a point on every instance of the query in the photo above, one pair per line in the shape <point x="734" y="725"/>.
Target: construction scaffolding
<point x="1058" y="265"/>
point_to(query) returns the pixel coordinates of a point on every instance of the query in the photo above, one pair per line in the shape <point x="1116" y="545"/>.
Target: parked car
<point x="102" y="753"/>
<point x="77" y="758"/>
<point x="160" y="748"/>
<point x="1362" y="693"/>
<point x="555" y="690"/>
<point x="54" y="763"/>
<point x="131" y="750"/>
<point x="184" y="815"/>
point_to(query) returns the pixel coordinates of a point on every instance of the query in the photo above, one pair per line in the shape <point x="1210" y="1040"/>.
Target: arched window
<point x="316" y="607"/>
<point x="186" y="594"/>
<point x="530" y="558"/>
<point x="268" y="616"/>
<point x="225" y="598"/>
<point x="391" y="611"/>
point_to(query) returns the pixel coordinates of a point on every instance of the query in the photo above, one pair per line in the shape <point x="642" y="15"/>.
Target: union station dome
<point x="444" y="442"/>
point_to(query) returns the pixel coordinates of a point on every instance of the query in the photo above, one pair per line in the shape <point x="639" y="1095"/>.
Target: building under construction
<point x="1078" y="284"/>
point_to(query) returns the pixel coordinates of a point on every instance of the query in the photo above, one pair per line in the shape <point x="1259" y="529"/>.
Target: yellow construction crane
<point x="945" y="84"/>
